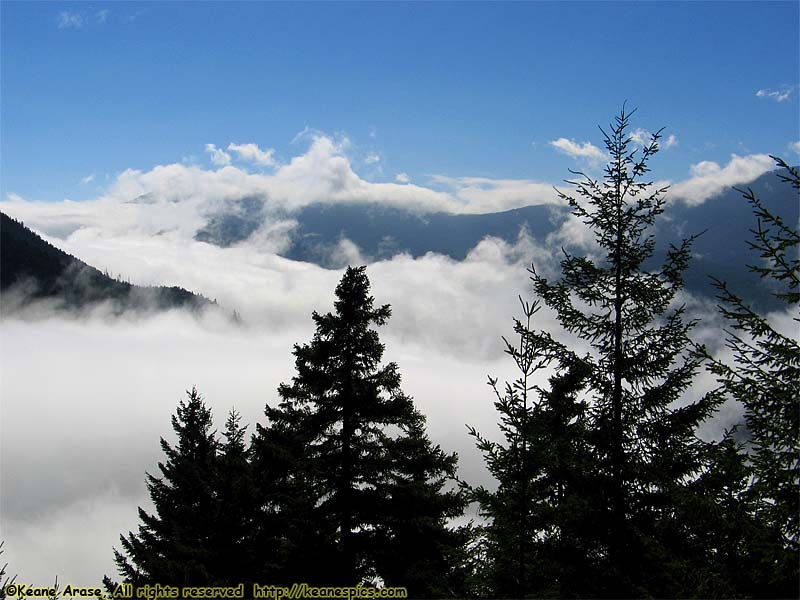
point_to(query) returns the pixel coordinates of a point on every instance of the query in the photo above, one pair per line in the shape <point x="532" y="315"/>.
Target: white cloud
<point x="795" y="146"/>
<point x="709" y="179"/>
<point x="102" y="15"/>
<point x="778" y="95"/>
<point x="574" y="233"/>
<point x="69" y="20"/>
<point x="252" y="153"/>
<point x="81" y="491"/>
<point x="372" y="158"/>
<point x="588" y="151"/>
<point x="218" y="156"/>
<point x="322" y="174"/>
<point x="640" y="136"/>
<point x="483" y="194"/>
<point x="88" y="179"/>
<point x="402" y="178"/>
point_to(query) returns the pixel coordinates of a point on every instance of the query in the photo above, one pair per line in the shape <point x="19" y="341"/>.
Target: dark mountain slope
<point x="382" y="232"/>
<point x="721" y="251"/>
<point x="42" y="271"/>
<point x="725" y="222"/>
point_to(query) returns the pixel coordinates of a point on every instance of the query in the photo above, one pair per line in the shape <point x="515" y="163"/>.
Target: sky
<point x="422" y="89"/>
<point x="125" y="126"/>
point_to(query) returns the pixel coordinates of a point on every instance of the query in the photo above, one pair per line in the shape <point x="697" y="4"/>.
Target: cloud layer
<point x="76" y="443"/>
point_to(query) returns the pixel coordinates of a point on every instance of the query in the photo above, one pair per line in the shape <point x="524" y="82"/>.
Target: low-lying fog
<point x="85" y="398"/>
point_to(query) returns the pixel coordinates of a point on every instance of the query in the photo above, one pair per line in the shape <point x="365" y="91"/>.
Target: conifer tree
<point x="641" y="417"/>
<point x="349" y="451"/>
<point x="533" y="539"/>
<point x="765" y="378"/>
<point x="174" y="545"/>
<point x="417" y="550"/>
<point x="234" y="493"/>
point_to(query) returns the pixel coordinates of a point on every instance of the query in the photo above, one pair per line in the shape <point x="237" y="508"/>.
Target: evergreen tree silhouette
<point x="348" y="467"/>
<point x="175" y="545"/>
<point x="533" y="542"/>
<point x="765" y="377"/>
<point x="417" y="550"/>
<point x="641" y="417"/>
<point x="233" y="544"/>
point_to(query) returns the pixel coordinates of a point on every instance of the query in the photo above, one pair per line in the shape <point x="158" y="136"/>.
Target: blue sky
<point x="460" y="90"/>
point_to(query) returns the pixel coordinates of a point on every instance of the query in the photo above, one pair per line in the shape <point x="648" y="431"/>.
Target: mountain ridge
<point x="40" y="270"/>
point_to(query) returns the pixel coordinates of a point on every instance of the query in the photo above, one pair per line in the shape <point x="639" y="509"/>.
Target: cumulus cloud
<point x="218" y="156"/>
<point x="587" y="151"/>
<point x="709" y="179"/>
<point x="69" y="20"/>
<point x="323" y="173"/>
<point x="176" y="200"/>
<point x="780" y="95"/>
<point x="252" y="153"/>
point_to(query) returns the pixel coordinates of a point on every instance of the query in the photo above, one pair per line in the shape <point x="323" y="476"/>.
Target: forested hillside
<point x="39" y="270"/>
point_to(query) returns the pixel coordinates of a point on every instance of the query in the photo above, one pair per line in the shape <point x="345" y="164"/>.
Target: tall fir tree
<point x="641" y="417"/>
<point x="174" y="546"/>
<point x="534" y="542"/>
<point x="359" y="477"/>
<point x="765" y="377"/>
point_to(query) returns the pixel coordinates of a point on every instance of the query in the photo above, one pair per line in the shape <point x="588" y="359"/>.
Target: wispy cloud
<point x="795" y="146"/>
<point x="483" y="194"/>
<point x="640" y="137"/>
<point x="587" y="151"/>
<point x="372" y="158"/>
<point x="671" y="141"/>
<point x="88" y="179"/>
<point x="402" y="178"/>
<point x="252" y="153"/>
<point x="135" y="15"/>
<point x="780" y="95"/>
<point x="218" y="156"/>
<point x="69" y="20"/>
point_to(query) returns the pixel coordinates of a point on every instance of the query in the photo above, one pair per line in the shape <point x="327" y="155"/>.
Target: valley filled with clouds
<point x="249" y="152"/>
<point x="86" y="396"/>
